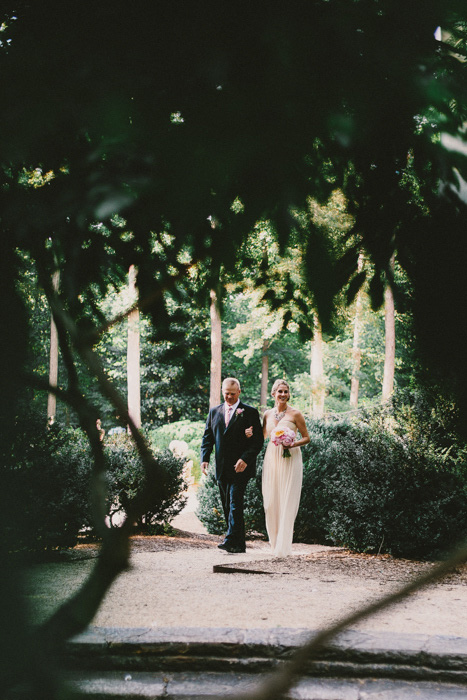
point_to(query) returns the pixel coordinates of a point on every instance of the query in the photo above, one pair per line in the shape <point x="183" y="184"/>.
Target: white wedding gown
<point x="282" y="485"/>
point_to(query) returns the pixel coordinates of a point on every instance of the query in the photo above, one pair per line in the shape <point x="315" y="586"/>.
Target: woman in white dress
<point x="282" y="475"/>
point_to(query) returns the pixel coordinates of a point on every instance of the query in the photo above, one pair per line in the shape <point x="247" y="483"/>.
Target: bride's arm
<point x="265" y="420"/>
<point x="301" y="425"/>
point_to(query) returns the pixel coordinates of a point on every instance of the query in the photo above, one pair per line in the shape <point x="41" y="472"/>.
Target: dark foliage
<point x="48" y="476"/>
<point x="127" y="483"/>
<point x="266" y="115"/>
<point x="427" y="416"/>
<point x="384" y="494"/>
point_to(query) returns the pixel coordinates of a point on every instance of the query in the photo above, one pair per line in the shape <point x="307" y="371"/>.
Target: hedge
<point x="47" y="474"/>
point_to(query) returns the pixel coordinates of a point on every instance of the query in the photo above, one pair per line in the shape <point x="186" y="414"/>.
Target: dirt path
<point x="172" y="583"/>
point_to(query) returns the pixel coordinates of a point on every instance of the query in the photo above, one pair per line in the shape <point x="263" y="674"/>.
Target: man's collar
<point x="235" y="405"/>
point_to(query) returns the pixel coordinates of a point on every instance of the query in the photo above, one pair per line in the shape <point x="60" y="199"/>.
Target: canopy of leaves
<point x="160" y="136"/>
<point x="170" y="114"/>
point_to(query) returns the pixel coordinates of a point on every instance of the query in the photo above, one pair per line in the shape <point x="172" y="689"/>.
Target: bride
<point x="282" y="475"/>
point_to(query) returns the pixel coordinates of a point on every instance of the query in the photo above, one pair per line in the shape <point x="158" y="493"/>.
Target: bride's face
<point x="282" y="394"/>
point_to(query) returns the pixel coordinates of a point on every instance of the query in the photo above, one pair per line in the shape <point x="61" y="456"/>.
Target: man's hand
<point x="249" y="432"/>
<point x="204" y="467"/>
<point x="240" y="466"/>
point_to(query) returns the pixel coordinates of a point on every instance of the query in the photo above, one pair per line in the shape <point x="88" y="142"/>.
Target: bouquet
<point x="284" y="437"/>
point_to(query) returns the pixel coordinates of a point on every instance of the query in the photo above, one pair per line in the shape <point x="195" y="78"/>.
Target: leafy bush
<point x="428" y="419"/>
<point x="378" y="492"/>
<point x="127" y="482"/>
<point x="48" y="473"/>
<point x="190" y="431"/>
<point x="396" y="498"/>
<point x="319" y="457"/>
<point x="48" y="479"/>
<point x="209" y="509"/>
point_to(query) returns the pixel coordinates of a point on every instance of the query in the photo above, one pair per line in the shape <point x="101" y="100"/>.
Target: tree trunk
<point x="53" y="360"/>
<point x="133" y="370"/>
<point x="264" y="376"/>
<point x="216" y="351"/>
<point x="356" y="352"/>
<point x="390" y="341"/>
<point x="318" y="386"/>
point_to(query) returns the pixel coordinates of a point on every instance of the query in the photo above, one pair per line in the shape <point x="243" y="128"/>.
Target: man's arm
<point x="255" y="442"/>
<point x="207" y="444"/>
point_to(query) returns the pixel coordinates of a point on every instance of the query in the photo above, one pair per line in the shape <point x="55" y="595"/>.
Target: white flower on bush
<point x="179" y="448"/>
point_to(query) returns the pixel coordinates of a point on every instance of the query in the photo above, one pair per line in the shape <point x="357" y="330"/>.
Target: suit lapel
<point x="220" y="418"/>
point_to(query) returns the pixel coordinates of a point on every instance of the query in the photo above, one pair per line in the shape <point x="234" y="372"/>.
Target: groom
<point x="235" y="457"/>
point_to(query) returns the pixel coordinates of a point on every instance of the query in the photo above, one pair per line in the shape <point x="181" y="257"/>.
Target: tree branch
<point x="74" y="616"/>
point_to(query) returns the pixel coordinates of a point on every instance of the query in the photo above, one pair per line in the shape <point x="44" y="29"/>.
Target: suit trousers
<point x="232" y="497"/>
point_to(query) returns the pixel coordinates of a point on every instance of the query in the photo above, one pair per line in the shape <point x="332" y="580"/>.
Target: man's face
<point x="231" y="393"/>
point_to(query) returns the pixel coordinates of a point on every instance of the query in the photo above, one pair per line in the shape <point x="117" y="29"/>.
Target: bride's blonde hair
<point x="277" y="384"/>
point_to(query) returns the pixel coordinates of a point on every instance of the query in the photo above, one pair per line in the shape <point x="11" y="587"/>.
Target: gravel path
<point x="182" y="581"/>
<point x="172" y="583"/>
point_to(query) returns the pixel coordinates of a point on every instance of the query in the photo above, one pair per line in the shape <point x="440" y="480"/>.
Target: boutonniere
<point x="239" y="411"/>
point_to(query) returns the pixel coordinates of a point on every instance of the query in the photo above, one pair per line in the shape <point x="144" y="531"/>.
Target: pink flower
<point x="239" y="411"/>
<point x="284" y="437"/>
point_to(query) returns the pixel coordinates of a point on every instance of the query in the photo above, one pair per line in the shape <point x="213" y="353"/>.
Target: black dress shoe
<point x="230" y="548"/>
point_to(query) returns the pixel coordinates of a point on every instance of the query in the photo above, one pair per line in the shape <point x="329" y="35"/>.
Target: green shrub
<point x="48" y="474"/>
<point x="319" y="463"/>
<point x="48" y="481"/>
<point x="381" y="493"/>
<point x="127" y="482"/>
<point x="429" y="421"/>
<point x="209" y="509"/>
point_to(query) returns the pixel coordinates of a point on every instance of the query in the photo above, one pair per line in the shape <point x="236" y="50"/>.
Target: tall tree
<point x="53" y="359"/>
<point x="263" y="401"/>
<point x="356" y="351"/>
<point x="252" y="335"/>
<point x="390" y="339"/>
<point x="216" y="350"/>
<point x="133" y="355"/>
<point x="318" y="383"/>
<point x="333" y="219"/>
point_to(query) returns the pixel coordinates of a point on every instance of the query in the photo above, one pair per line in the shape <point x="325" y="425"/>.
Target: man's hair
<point x="230" y="380"/>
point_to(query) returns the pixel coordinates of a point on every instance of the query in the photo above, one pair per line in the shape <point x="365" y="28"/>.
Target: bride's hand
<point x="249" y="432"/>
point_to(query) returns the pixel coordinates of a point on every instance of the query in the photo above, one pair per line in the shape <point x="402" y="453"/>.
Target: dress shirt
<point x="233" y="409"/>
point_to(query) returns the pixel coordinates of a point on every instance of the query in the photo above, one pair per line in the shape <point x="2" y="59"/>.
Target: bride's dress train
<point x="282" y="485"/>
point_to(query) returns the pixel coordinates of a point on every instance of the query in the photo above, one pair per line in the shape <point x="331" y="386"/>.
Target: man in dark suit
<point x="235" y="454"/>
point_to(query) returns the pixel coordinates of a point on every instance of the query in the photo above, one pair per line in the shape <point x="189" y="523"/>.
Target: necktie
<point x="227" y="415"/>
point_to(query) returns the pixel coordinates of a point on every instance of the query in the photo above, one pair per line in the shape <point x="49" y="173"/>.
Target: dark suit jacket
<point x="231" y="443"/>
